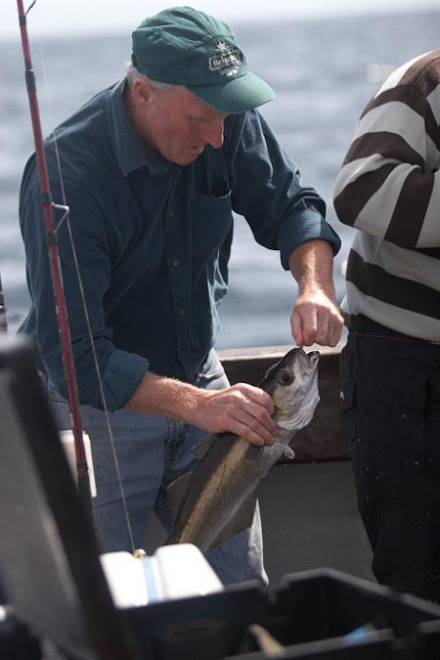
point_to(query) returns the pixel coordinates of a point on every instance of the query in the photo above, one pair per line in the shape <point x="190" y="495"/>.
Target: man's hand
<point x="315" y="317"/>
<point x="316" y="320"/>
<point x="242" y="409"/>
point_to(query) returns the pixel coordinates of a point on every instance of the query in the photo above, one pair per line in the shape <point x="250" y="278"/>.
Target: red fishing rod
<point x="3" y="319"/>
<point x="55" y="267"/>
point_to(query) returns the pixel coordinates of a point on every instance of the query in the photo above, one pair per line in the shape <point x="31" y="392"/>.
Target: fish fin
<point x="289" y="453"/>
<point x="203" y="447"/>
<point x="176" y="493"/>
<point x="242" y="520"/>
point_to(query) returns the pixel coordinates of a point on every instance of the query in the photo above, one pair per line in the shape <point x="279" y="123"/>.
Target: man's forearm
<point x="311" y="264"/>
<point x="241" y="408"/>
<point x="315" y="317"/>
<point x="167" y="397"/>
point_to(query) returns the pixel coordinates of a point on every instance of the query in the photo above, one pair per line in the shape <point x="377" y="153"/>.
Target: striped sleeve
<point x="389" y="184"/>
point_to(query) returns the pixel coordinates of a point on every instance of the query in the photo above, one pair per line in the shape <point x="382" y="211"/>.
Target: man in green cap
<point x="152" y="170"/>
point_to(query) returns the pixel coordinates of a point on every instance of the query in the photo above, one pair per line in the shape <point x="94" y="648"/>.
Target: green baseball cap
<point x="183" y="46"/>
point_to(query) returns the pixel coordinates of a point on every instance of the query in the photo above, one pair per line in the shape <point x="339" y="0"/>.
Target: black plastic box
<point x="54" y="581"/>
<point x="206" y="627"/>
<point x="16" y="641"/>
<point x="312" y="615"/>
<point x="316" y="614"/>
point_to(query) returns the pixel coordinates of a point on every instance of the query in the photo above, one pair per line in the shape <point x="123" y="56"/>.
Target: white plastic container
<point x="68" y="442"/>
<point x="174" y="571"/>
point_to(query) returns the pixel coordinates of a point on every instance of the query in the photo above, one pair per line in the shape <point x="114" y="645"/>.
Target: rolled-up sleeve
<point x="267" y="190"/>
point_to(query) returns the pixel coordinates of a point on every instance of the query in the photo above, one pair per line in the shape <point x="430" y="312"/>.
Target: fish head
<point x="292" y="383"/>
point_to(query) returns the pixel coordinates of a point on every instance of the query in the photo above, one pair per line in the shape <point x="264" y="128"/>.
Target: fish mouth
<point x="313" y="357"/>
<point x="310" y="359"/>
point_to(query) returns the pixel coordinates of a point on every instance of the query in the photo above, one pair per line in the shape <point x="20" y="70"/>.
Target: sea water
<point x="323" y="71"/>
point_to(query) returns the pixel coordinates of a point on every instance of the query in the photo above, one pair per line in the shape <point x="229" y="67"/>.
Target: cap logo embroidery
<point x="226" y="62"/>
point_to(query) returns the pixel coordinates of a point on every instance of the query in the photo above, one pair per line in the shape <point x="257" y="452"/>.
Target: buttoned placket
<point x="179" y="264"/>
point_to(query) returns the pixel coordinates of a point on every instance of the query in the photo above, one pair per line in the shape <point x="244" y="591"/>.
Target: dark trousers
<point x="391" y="391"/>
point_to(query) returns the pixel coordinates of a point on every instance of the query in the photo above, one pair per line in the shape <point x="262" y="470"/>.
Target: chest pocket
<point x="212" y="220"/>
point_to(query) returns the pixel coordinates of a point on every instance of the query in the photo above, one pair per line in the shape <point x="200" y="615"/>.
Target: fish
<point x="218" y="498"/>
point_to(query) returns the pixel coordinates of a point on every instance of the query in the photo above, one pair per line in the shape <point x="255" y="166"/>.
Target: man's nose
<point x="214" y="134"/>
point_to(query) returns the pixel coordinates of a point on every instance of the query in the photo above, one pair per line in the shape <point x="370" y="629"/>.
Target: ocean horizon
<point x="323" y="70"/>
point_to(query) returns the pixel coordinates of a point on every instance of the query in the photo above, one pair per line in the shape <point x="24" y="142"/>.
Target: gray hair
<point x="134" y="74"/>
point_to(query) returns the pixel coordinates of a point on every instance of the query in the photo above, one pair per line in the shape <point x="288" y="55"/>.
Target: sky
<point x="52" y="17"/>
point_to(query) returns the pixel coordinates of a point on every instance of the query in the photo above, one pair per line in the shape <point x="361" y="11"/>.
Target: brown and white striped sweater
<point x="389" y="189"/>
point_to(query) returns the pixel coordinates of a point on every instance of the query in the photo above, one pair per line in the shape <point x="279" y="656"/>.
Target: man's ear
<point x="143" y="92"/>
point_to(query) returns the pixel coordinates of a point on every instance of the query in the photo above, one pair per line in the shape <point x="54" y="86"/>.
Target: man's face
<point x="178" y="125"/>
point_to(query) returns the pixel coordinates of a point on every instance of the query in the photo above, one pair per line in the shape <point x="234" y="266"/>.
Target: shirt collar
<point x="131" y="151"/>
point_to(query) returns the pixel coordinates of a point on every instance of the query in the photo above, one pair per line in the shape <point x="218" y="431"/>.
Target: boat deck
<point x="309" y="518"/>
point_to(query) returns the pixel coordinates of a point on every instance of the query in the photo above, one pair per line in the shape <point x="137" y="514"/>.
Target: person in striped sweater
<point x="388" y="189"/>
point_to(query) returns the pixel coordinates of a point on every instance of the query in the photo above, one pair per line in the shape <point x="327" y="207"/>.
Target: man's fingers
<point x="242" y="409"/>
<point x="253" y="431"/>
<point x="259" y="397"/>
<point x="329" y="327"/>
<point x="337" y="331"/>
<point x="315" y="323"/>
<point x="253" y="419"/>
<point x="297" y="332"/>
<point x="324" y="330"/>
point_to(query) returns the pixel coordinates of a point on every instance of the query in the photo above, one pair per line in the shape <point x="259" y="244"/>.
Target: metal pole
<point x="55" y="267"/>
<point x="3" y="318"/>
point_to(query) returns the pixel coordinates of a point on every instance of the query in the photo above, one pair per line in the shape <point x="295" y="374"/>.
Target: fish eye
<point x="285" y="377"/>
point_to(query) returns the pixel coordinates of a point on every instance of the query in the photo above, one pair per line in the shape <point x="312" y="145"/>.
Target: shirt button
<point x="181" y="311"/>
<point x="176" y="262"/>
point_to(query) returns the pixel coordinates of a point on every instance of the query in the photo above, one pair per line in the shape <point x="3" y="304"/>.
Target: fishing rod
<point x="55" y="266"/>
<point x="3" y="319"/>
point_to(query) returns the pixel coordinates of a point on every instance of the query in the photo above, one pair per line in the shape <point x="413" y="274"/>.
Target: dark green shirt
<point x="152" y="240"/>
